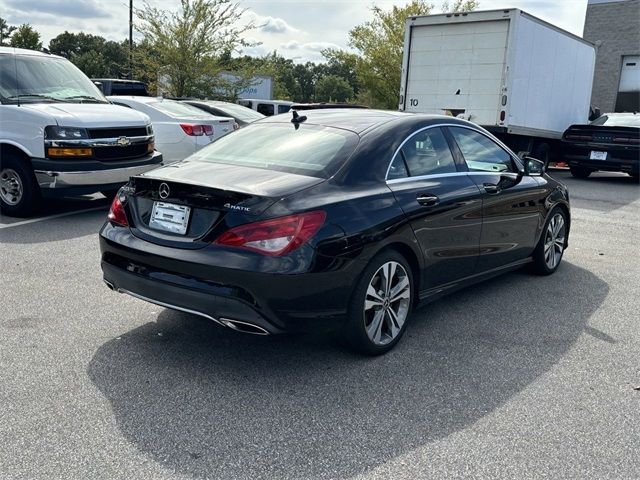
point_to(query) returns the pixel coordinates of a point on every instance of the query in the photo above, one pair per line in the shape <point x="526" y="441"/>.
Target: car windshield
<point x="178" y="109"/>
<point x="238" y="111"/>
<point x="36" y="78"/>
<point x="309" y="150"/>
<point x="619" y="120"/>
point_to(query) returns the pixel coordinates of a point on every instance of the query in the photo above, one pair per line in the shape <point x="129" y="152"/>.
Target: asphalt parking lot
<point x="519" y="377"/>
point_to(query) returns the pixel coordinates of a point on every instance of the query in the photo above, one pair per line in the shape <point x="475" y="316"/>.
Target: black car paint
<point x="448" y="245"/>
<point x="621" y="157"/>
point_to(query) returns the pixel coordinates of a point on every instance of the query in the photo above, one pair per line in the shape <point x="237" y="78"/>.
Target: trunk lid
<point x="218" y="197"/>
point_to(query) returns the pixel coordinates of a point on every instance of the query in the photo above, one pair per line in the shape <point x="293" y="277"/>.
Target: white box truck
<point x="521" y="78"/>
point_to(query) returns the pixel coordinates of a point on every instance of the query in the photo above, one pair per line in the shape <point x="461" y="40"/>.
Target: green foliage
<point x="5" y="31"/>
<point x="333" y="88"/>
<point x="380" y="44"/>
<point x="187" y="43"/>
<point x="25" y="36"/>
<point x="93" y="54"/>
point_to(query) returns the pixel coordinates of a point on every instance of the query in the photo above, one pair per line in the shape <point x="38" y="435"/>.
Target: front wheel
<point x="380" y="305"/>
<point x="550" y="248"/>
<point x="19" y="191"/>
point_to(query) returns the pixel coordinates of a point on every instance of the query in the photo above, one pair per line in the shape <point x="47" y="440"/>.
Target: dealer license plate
<point x="170" y="217"/>
<point x="598" y="155"/>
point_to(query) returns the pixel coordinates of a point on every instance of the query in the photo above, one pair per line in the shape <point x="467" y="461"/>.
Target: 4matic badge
<point x="239" y="208"/>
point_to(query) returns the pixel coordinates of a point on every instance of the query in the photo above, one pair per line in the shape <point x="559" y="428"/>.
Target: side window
<point x="283" y="108"/>
<point x="481" y="153"/>
<point x="427" y="153"/>
<point x="265" y="109"/>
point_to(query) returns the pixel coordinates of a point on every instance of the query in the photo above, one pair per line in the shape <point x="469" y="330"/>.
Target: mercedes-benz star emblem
<point x="163" y="191"/>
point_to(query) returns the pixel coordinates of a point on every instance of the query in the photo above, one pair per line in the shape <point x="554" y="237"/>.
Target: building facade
<point x="614" y="27"/>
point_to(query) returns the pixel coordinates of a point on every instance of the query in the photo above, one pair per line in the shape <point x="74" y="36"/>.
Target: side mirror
<point x="533" y="167"/>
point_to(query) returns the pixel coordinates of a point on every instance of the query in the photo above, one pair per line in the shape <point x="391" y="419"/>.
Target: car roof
<point x="139" y="98"/>
<point x="355" y="119"/>
<point x="25" y="51"/>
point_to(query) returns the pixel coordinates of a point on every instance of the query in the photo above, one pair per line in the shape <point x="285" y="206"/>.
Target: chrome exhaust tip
<point x="244" y="327"/>
<point x="109" y="284"/>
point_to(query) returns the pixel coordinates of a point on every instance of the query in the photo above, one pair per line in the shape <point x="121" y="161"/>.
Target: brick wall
<point x="615" y="27"/>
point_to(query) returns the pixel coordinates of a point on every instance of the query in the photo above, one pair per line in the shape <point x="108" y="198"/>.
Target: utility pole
<point x="130" y="39"/>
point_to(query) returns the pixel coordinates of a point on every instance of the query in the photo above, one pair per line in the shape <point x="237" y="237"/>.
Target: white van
<point x="266" y="107"/>
<point x="59" y="135"/>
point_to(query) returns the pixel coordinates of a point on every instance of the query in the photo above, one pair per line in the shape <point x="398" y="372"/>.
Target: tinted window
<point x="621" y="120"/>
<point x="283" y="108"/>
<point x="424" y="153"/>
<point x="310" y="150"/>
<point x="265" y="109"/>
<point x="481" y="153"/>
<point x="129" y="89"/>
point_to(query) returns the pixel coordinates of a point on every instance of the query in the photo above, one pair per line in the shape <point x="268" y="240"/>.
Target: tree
<point x="188" y="43"/>
<point x="380" y="43"/>
<point x="93" y="54"/>
<point x="26" y="37"/>
<point x="5" y="31"/>
<point x="333" y="88"/>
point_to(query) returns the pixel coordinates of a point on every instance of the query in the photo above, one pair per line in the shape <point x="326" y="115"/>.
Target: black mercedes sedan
<point x="610" y="143"/>
<point x="333" y="220"/>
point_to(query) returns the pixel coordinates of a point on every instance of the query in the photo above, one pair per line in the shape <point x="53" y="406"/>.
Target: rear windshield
<point x="310" y="150"/>
<point x="238" y="111"/>
<point x="627" y="120"/>
<point x="178" y="109"/>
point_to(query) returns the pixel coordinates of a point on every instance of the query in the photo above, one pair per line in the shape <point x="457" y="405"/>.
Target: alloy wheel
<point x="11" y="189"/>
<point x="386" y="304"/>
<point x="554" y="241"/>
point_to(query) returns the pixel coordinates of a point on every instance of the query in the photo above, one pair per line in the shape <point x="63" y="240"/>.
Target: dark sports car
<point x="340" y="219"/>
<point x="609" y="143"/>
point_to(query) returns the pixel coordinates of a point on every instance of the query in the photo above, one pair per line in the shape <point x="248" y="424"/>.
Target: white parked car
<point x="179" y="129"/>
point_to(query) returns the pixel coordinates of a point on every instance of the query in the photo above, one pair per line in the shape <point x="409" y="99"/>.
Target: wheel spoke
<point x="396" y="321"/>
<point x="401" y="290"/>
<point x="374" y="330"/>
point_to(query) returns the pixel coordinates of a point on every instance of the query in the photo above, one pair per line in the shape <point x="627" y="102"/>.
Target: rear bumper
<point x="618" y="160"/>
<point x="90" y="175"/>
<point x="202" y="282"/>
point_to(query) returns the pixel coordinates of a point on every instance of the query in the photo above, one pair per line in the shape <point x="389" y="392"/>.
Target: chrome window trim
<point x="439" y="125"/>
<point x="444" y="175"/>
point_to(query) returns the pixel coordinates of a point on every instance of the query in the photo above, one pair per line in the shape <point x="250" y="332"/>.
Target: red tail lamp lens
<point x="192" y="130"/>
<point x="276" y="236"/>
<point x="117" y="215"/>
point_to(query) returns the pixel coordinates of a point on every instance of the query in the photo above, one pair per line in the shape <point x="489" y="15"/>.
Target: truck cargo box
<point x="503" y="69"/>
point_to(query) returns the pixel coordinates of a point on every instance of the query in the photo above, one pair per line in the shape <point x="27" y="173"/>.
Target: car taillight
<point x="117" y="215"/>
<point x="573" y="136"/>
<point x="276" y="236"/>
<point x="208" y="130"/>
<point x="192" y="130"/>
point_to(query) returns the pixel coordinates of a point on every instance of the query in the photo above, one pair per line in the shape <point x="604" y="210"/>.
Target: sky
<point x="297" y="29"/>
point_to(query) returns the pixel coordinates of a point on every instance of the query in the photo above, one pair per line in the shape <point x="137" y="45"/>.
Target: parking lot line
<point x="57" y="215"/>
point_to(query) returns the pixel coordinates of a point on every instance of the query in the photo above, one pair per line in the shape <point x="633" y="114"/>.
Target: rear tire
<point x="19" y="190"/>
<point x="379" y="308"/>
<point x="550" y="249"/>
<point x="580" y="172"/>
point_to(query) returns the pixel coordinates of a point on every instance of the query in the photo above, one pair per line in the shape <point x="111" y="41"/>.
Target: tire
<point x="360" y="332"/>
<point x="550" y="249"/>
<point x="580" y="172"/>
<point x="19" y="191"/>
<point x="110" y="194"/>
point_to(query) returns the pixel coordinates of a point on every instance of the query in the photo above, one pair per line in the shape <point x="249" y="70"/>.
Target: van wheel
<point x="19" y="191"/>
<point x="380" y="305"/>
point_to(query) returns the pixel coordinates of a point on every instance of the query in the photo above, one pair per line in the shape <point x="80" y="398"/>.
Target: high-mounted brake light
<point x="117" y="215"/>
<point x="276" y="236"/>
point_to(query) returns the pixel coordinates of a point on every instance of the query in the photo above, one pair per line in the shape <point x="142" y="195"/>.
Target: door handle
<point x="491" y="188"/>
<point x="427" y="200"/>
